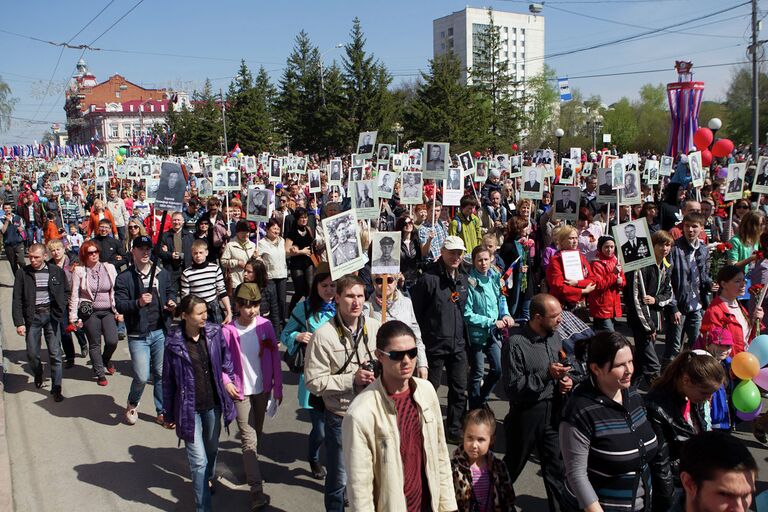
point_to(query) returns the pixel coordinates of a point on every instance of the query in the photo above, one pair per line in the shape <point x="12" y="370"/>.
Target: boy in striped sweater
<point x="205" y="280"/>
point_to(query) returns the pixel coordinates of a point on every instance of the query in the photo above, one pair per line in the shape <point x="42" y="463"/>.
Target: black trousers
<point x="15" y="255"/>
<point x="456" y="372"/>
<point x="535" y="427"/>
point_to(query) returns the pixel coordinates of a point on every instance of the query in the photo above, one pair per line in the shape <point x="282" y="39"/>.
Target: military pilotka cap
<point x="387" y="240"/>
<point x="142" y="241"/>
<point x="249" y="292"/>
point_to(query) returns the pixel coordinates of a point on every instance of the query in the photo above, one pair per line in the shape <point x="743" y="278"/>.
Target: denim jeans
<point x="478" y="395"/>
<point x="690" y="323"/>
<point x="336" y="477"/>
<point x="602" y="324"/>
<point x="41" y="325"/>
<point x="316" y="435"/>
<point x="147" y="355"/>
<point x="34" y="234"/>
<point x="201" y="454"/>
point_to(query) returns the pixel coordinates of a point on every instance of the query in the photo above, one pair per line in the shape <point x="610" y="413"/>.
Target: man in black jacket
<point x="146" y="320"/>
<point x="438" y="299"/>
<point x="176" y="249"/>
<point x="111" y="249"/>
<point x="537" y="378"/>
<point x="39" y="305"/>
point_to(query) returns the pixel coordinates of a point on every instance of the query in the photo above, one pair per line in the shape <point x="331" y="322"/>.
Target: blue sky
<point x="217" y="34"/>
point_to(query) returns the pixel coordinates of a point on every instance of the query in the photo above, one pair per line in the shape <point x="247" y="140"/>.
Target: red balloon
<point x="703" y="138"/>
<point x="722" y="148"/>
<point x="477" y="154"/>
<point x="514" y="147"/>
<point x="706" y="158"/>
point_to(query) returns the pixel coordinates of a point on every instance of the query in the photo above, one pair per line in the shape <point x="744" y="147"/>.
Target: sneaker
<point x="83" y="351"/>
<point x="69" y="363"/>
<point x="57" y="396"/>
<point x="259" y="500"/>
<point x="110" y="369"/>
<point x="131" y="414"/>
<point x="102" y="381"/>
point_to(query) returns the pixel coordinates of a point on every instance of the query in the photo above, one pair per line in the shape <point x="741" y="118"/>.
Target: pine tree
<point x="496" y="83"/>
<point x="334" y="118"/>
<point x="207" y="128"/>
<point x="444" y="109"/>
<point x="249" y="102"/>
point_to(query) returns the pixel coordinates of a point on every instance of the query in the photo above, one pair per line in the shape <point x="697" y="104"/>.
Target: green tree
<point x="496" y="84"/>
<point x="652" y="117"/>
<point x="333" y="116"/>
<point x="369" y="103"/>
<point x="738" y="101"/>
<point x="541" y="98"/>
<point x="7" y="104"/>
<point x="621" y="123"/>
<point x="300" y="101"/>
<point x="207" y="127"/>
<point x="249" y="117"/>
<point x="444" y="109"/>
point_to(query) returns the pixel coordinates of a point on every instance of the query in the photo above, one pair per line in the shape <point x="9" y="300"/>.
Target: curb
<point x="6" y="487"/>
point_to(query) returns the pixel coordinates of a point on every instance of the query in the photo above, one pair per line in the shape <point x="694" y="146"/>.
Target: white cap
<point x="454" y="243"/>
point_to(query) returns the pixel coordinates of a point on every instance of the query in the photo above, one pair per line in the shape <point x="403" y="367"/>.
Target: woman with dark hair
<point x="298" y="248"/>
<point x="218" y="232"/>
<point x="515" y="254"/>
<point x="726" y="311"/>
<point x="650" y="212"/>
<point x="272" y="251"/>
<point x="255" y="271"/>
<point x="744" y="244"/>
<point x="308" y="315"/>
<point x="411" y="260"/>
<point x="676" y="402"/>
<point x="612" y="455"/>
<point x="194" y="393"/>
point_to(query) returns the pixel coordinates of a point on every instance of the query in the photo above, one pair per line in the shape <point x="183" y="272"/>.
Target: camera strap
<point x="356" y="340"/>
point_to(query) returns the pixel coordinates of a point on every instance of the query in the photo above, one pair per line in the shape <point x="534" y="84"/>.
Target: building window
<point x="127" y="131"/>
<point x="113" y="131"/>
<point x="117" y="94"/>
<point x="442" y="46"/>
<point x="442" y="35"/>
<point x="450" y="32"/>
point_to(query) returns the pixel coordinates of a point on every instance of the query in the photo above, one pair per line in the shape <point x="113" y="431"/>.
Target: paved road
<point x="80" y="453"/>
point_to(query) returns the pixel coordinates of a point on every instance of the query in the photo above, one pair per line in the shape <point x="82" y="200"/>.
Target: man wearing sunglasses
<point x="390" y="435"/>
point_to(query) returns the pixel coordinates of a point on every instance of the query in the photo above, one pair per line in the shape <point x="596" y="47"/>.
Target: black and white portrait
<point x="358" y="160"/>
<point x="567" y="201"/>
<point x="220" y="180"/>
<point x="250" y="164"/>
<point x="385" y="253"/>
<point x="356" y="173"/>
<point x="170" y="191"/>
<point x="515" y="166"/>
<point x="153" y="184"/>
<point x="533" y="178"/>
<point x="761" y="176"/>
<point x="384" y="151"/>
<point x="631" y="188"/>
<point x="314" y="180"/>
<point x="665" y="166"/>
<point x="335" y="171"/>
<point x="259" y="201"/>
<point x="502" y="162"/>
<point x="567" y="171"/>
<point x="410" y="187"/>
<point x="386" y="183"/>
<point x="437" y="159"/>
<point x="233" y="179"/>
<point x="481" y="170"/>
<point x="344" y="251"/>
<point x="734" y="186"/>
<point x="453" y="182"/>
<point x="274" y="169"/>
<point x="634" y="245"/>
<point x="366" y="142"/>
<point x="617" y="174"/>
<point x="467" y="163"/>
<point x="204" y="188"/>
<point x="364" y="197"/>
<point x="217" y="163"/>
<point x="697" y="170"/>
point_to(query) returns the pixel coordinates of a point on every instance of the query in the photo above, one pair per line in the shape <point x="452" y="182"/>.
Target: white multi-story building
<point x="521" y="38"/>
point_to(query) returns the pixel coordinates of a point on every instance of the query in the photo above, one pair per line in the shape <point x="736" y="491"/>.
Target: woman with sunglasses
<point x="135" y="230"/>
<point x="399" y="307"/>
<point x="92" y="305"/>
<point x="309" y="315"/>
<point x="740" y="208"/>
<point x="411" y="260"/>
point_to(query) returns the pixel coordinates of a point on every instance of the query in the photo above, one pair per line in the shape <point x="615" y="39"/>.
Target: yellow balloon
<point x="745" y="366"/>
<point x="119" y="159"/>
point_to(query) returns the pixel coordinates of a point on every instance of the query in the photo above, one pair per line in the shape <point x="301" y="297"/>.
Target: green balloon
<point x="746" y="396"/>
<point x="122" y="151"/>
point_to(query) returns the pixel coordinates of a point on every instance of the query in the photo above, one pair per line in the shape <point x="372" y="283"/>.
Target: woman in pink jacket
<point x="256" y="361"/>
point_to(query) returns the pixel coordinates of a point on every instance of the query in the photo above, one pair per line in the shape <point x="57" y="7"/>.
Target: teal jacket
<point x="298" y="323"/>
<point x="485" y="305"/>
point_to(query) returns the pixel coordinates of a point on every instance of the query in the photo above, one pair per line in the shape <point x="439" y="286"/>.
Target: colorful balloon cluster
<point x="236" y="151"/>
<point x="747" y="367"/>
<point x="703" y="138"/>
<point x="121" y="154"/>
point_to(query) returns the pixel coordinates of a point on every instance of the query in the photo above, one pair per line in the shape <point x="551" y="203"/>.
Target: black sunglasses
<point x="380" y="280"/>
<point x="399" y="355"/>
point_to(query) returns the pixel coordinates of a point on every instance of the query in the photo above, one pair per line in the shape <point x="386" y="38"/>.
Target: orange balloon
<point x="745" y="366"/>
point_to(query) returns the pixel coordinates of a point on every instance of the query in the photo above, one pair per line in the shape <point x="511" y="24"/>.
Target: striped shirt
<point x="42" y="297"/>
<point x="205" y="281"/>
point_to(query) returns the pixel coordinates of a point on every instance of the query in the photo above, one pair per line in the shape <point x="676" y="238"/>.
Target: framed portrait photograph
<point x="651" y="170"/>
<point x="502" y="162"/>
<point x="313" y="176"/>
<point x="411" y="184"/>
<point x="204" y="188"/>
<point x="542" y="157"/>
<point x="607" y="160"/>
<point x="605" y="191"/>
<point x="436" y="161"/>
<point x="217" y="163"/>
<point x="575" y="154"/>
<point x="382" y="165"/>
<point x="760" y="183"/>
<point x="366" y="143"/>
<point x="453" y="187"/>
<point x="170" y="191"/>
<point x="481" y="171"/>
<point x="301" y="165"/>
<point x="586" y="169"/>
<point x="355" y="173"/>
<point x="385" y="252"/>
<point x="414" y="159"/>
<point x="567" y="171"/>
<point x="334" y="172"/>
<point x="364" y="199"/>
<point x="515" y="166"/>
<point x="734" y="184"/>
<point x="384" y="152"/>
<point x="533" y="185"/>
<point x="385" y="181"/>
<point x="233" y="178"/>
<point x="398" y="162"/>
<point x="357" y="160"/>
<point x="345" y="255"/>
<point x="696" y="168"/>
<point x="275" y="170"/>
<point x="259" y="206"/>
<point x="467" y="163"/>
<point x="630" y="193"/>
<point x="633" y="245"/>
<point x="250" y="164"/>
<point x="618" y="174"/>
<point x="665" y="165"/>
<point x="152" y="184"/>
<point x="566" y="201"/>
<point x="220" y="180"/>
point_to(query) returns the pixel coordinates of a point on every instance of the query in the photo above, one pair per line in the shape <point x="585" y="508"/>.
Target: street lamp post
<point x="559" y="134"/>
<point x="596" y="122"/>
<point x="322" y="78"/>
<point x="398" y="131"/>
<point x="713" y="124"/>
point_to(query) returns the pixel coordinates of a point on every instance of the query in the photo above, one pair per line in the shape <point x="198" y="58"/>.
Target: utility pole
<point x="755" y="91"/>
<point x="224" y="120"/>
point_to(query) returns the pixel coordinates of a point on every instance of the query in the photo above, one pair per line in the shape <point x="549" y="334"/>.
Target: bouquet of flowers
<point x="756" y="296"/>
<point x="717" y="258"/>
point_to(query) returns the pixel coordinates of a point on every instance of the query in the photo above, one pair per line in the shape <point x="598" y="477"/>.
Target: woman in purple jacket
<point x="194" y="394"/>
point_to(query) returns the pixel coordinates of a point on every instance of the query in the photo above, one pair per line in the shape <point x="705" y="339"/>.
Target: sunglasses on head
<point x="380" y="280"/>
<point x="399" y="355"/>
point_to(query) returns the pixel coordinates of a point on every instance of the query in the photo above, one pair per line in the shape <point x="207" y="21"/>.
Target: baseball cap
<point x="249" y="292"/>
<point x="142" y="241"/>
<point x="454" y="243"/>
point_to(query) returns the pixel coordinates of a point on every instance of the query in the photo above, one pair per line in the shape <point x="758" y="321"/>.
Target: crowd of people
<point x="483" y="296"/>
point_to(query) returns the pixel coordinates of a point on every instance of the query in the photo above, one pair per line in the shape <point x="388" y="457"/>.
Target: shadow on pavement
<point x="530" y="503"/>
<point x="97" y="408"/>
